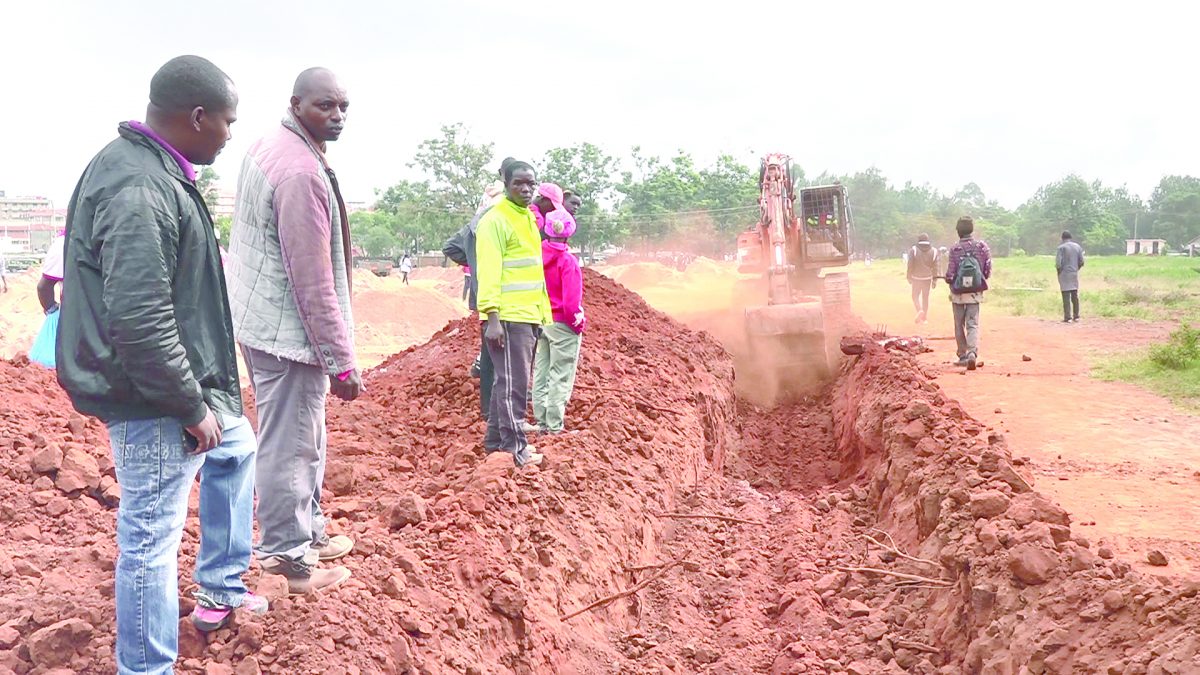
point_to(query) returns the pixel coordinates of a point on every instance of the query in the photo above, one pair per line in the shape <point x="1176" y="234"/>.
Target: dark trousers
<point x="487" y="374"/>
<point x="1070" y="305"/>
<point x="510" y="390"/>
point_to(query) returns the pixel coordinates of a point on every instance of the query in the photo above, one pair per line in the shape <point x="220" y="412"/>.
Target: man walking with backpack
<point x="967" y="274"/>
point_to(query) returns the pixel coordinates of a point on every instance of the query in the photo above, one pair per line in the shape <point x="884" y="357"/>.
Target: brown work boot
<point x="335" y="547"/>
<point x="302" y="578"/>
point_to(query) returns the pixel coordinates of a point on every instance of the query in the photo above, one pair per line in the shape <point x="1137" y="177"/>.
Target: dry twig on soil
<point x="642" y="404"/>
<point x="642" y="568"/>
<point x="628" y="592"/>
<point x="898" y="575"/>
<point x="632" y="397"/>
<point x="894" y="548"/>
<point x="711" y="516"/>
<point x="917" y="646"/>
<point x="1020" y="477"/>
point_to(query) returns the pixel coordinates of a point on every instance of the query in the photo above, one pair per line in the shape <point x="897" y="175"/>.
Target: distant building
<point x="1145" y="247"/>
<point x="27" y="224"/>
<point x="1192" y="248"/>
<point x="224" y="205"/>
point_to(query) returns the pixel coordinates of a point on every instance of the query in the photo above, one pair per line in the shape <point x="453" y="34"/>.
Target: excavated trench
<point x="874" y="527"/>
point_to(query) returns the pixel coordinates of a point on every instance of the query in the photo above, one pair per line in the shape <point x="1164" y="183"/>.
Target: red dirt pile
<point x="1023" y="592"/>
<point x="462" y="565"/>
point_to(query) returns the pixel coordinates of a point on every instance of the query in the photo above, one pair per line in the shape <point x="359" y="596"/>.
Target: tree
<point x="224" y="225"/>
<point x="457" y="169"/>
<point x="730" y="190"/>
<point x="652" y="202"/>
<point x="1175" y="209"/>
<point x="421" y="215"/>
<point x="1071" y="204"/>
<point x="587" y="171"/>
<point x="421" y="218"/>
<point x="378" y="233"/>
<point x="206" y="183"/>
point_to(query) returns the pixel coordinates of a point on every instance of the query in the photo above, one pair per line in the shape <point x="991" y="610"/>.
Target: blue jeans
<point x="156" y="476"/>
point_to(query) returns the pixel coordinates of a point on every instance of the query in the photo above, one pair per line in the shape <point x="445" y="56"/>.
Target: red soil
<point x="468" y="565"/>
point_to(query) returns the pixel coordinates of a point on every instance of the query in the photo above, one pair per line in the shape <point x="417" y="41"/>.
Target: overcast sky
<point x="1010" y="95"/>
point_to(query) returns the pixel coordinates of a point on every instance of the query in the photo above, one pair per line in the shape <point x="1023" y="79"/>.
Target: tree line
<point x="653" y="202"/>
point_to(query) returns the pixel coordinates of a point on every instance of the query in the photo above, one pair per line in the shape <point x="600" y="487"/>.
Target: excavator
<point x="800" y="232"/>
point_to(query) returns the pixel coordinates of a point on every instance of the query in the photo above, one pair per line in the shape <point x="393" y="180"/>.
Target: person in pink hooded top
<point x="558" y="347"/>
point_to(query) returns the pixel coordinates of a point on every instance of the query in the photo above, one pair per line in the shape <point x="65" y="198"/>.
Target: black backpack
<point x="969" y="276"/>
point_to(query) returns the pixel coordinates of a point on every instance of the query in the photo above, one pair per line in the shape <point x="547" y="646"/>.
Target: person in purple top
<point x="967" y="274"/>
<point x="145" y="343"/>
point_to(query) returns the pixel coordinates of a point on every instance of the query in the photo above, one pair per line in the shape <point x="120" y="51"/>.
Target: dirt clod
<point x="56" y="644"/>
<point x="408" y="510"/>
<point x="989" y="503"/>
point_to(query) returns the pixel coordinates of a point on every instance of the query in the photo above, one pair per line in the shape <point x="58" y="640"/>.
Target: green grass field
<point x="1116" y="287"/>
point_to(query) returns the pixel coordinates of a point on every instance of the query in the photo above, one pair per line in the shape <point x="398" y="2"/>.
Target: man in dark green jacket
<point x="145" y="343"/>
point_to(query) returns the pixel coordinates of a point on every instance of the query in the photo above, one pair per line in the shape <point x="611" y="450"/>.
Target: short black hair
<point x="514" y="166"/>
<point x="187" y="82"/>
<point x="305" y="79"/>
<point x="1066" y="235"/>
<point x="567" y="194"/>
<point x="965" y="226"/>
<point x="504" y="164"/>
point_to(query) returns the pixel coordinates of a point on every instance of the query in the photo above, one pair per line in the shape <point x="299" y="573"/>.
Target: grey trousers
<point x="290" y="398"/>
<point x="966" y="328"/>
<point x="1070" y="301"/>
<point x="510" y="390"/>
<point x="920" y="295"/>
<point x="487" y="375"/>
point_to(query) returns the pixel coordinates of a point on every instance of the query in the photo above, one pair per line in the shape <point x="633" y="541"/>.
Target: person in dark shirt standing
<point x="1068" y="260"/>
<point x="145" y="343"/>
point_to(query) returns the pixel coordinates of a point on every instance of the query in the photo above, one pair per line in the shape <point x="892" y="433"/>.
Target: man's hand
<point x="348" y="389"/>
<point x="494" y="331"/>
<point x="207" y="434"/>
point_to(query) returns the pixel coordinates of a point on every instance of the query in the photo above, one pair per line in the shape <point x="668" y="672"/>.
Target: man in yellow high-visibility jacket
<point x="512" y="295"/>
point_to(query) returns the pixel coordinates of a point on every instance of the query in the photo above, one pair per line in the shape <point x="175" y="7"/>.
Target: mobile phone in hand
<point x="191" y="444"/>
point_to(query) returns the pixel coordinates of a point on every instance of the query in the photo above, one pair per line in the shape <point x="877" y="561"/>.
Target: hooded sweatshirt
<point x="564" y="284"/>
<point x="922" y="262"/>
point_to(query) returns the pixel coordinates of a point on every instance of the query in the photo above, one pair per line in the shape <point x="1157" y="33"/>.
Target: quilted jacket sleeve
<point x="302" y="210"/>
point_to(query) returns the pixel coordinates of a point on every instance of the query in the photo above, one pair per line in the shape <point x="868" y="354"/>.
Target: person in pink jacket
<point x="558" y="347"/>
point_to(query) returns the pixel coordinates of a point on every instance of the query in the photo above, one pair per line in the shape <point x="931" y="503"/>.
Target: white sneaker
<point x="530" y="428"/>
<point x="535" y="458"/>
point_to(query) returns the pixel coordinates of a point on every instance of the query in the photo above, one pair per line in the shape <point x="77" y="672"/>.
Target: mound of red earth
<point x="675" y="531"/>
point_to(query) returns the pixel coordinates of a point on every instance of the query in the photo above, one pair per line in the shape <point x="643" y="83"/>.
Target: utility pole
<point x="1135" y="224"/>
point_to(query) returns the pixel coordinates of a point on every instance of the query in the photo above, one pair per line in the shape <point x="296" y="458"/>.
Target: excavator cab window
<point x="825" y="219"/>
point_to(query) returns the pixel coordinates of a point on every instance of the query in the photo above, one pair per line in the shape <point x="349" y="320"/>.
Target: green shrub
<point x="1180" y="352"/>
<point x="1133" y="295"/>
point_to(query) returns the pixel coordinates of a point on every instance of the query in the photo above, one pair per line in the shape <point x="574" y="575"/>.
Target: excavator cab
<point x="800" y="232"/>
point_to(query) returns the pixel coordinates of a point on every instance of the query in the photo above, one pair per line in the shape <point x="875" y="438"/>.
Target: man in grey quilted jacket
<point x="290" y="287"/>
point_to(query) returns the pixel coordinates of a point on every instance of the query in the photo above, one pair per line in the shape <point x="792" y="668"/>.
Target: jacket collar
<point x="136" y="137"/>
<point x="293" y="125"/>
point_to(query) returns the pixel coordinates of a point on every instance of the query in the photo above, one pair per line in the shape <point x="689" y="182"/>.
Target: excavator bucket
<point x="787" y="348"/>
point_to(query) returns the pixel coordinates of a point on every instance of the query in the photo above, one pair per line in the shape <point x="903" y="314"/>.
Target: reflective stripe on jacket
<point x="508" y="266"/>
